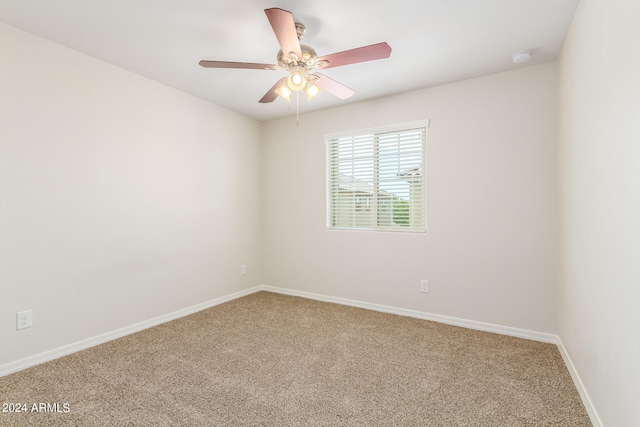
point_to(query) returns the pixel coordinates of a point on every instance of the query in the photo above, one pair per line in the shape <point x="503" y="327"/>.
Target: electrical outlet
<point x="424" y="286"/>
<point x="24" y="319"/>
<point x="243" y="270"/>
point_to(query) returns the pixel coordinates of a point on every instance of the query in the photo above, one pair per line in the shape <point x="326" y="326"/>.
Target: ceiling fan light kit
<point x="297" y="80"/>
<point x="300" y="59"/>
<point x="311" y="90"/>
<point x="284" y="91"/>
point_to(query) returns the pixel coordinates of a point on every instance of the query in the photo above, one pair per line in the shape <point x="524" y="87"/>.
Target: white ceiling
<point x="432" y="41"/>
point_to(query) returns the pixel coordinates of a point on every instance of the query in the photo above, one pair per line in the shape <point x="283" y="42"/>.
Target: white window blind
<point x="376" y="179"/>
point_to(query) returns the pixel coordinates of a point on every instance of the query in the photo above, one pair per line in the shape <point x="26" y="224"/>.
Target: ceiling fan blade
<point x="285" y="29"/>
<point x="332" y="86"/>
<point x="271" y="95"/>
<point x="359" y="54"/>
<point x="246" y="65"/>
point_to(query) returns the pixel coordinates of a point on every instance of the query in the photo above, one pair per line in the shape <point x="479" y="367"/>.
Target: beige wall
<point x="489" y="252"/>
<point x="121" y="199"/>
<point x="599" y="296"/>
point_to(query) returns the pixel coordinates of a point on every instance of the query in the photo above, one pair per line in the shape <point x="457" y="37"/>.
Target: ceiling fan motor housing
<point x="286" y="61"/>
<point x="300" y="30"/>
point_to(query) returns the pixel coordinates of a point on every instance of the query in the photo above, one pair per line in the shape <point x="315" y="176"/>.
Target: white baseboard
<point x="582" y="391"/>
<point x="455" y="321"/>
<point x="47" y="356"/>
<point x="90" y="342"/>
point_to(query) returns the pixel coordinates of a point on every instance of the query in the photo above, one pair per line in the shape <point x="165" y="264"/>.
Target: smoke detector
<point x="522" y="56"/>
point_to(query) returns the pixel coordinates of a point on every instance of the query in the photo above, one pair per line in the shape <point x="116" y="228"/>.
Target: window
<point x="376" y="178"/>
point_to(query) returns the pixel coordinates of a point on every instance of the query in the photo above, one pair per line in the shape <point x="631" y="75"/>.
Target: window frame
<point x="376" y="132"/>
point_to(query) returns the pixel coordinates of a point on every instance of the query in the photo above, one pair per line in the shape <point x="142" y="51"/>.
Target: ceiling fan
<point x="299" y="60"/>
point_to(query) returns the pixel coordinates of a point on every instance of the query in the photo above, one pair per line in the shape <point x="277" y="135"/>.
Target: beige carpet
<point x="275" y="360"/>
